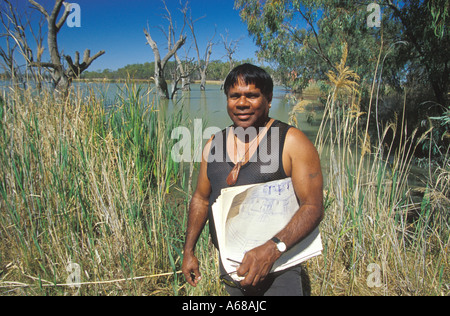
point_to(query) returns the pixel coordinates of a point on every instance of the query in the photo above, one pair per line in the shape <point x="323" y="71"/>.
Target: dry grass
<point x="83" y="185"/>
<point x="373" y="219"/>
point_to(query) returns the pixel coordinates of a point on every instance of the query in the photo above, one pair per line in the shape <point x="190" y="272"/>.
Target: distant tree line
<point x="217" y="71"/>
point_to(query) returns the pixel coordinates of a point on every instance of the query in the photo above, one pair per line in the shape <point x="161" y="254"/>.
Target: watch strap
<point x="281" y="246"/>
<point x="276" y="240"/>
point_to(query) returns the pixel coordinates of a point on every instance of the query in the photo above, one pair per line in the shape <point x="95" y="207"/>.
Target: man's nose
<point x="242" y="101"/>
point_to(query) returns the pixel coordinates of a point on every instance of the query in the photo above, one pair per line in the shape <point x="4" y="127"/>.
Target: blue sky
<point x="116" y="26"/>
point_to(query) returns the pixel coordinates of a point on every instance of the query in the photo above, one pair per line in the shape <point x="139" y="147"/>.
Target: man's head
<point x="250" y="74"/>
<point x="249" y="91"/>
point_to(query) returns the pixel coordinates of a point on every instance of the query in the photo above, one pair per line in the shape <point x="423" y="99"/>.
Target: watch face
<point x="281" y="247"/>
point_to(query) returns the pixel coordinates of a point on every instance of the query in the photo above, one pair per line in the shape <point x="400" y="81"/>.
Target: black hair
<point x="250" y="74"/>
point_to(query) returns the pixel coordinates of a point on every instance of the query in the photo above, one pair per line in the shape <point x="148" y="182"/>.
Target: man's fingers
<point x="191" y="270"/>
<point x="243" y="269"/>
<point x="247" y="270"/>
<point x="190" y="278"/>
<point x="197" y="276"/>
<point x="249" y="279"/>
<point x="193" y="277"/>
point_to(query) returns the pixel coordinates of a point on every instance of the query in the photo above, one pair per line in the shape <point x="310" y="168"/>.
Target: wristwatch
<point x="281" y="246"/>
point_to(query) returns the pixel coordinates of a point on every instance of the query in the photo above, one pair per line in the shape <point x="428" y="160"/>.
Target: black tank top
<point x="264" y="166"/>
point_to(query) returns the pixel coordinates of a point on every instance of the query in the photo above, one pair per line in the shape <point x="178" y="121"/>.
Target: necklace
<point x="234" y="173"/>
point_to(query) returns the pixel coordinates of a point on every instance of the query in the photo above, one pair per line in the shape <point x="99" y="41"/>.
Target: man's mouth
<point x="243" y="116"/>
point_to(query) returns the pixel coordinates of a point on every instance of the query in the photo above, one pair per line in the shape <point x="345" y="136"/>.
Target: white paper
<point x="248" y="216"/>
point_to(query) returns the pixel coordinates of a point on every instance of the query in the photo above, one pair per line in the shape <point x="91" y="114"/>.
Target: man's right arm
<point x="198" y="215"/>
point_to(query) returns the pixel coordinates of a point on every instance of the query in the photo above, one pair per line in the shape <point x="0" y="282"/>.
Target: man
<point x="234" y="157"/>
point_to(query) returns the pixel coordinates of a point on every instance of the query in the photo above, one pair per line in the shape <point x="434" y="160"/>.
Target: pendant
<point x="234" y="174"/>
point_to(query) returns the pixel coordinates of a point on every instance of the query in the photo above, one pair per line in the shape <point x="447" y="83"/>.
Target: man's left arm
<point x="301" y="163"/>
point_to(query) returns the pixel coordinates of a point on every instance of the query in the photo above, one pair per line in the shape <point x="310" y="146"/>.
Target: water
<point x="209" y="105"/>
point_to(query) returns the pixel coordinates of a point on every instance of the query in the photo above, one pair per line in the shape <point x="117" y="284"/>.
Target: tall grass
<point x="90" y="190"/>
<point x="85" y="186"/>
<point x="374" y="224"/>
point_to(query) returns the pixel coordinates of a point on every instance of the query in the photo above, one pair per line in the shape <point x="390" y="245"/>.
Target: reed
<point x="85" y="187"/>
<point x="379" y="237"/>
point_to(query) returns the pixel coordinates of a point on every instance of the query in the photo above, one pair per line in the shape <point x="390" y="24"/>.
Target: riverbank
<point x="147" y="81"/>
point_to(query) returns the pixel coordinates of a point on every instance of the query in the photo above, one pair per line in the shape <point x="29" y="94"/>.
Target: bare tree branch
<point x="160" y="64"/>
<point x="77" y="68"/>
<point x="40" y="9"/>
<point x="62" y="77"/>
<point x="63" y="19"/>
<point x="202" y="63"/>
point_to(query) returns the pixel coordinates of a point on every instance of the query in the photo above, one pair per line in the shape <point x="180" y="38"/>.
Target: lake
<point x="209" y="105"/>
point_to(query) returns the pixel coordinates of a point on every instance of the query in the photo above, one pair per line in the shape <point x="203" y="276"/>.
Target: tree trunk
<point x="62" y="87"/>
<point x="186" y="84"/>
<point x="160" y="64"/>
<point x="185" y="81"/>
<point x="203" y="80"/>
<point x="160" y="82"/>
<point x="62" y="78"/>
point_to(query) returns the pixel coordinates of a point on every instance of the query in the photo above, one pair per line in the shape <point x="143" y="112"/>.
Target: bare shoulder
<point x="301" y="162"/>
<point x="299" y="147"/>
<point x="296" y="135"/>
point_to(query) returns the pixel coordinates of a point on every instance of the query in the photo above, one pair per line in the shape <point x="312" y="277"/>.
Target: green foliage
<point x="306" y="39"/>
<point x="217" y="70"/>
<point x="307" y="36"/>
<point x="439" y="10"/>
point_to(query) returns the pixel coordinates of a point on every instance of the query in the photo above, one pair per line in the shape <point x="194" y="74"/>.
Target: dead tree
<point x="202" y="63"/>
<point x="230" y="48"/>
<point x="160" y="64"/>
<point x="16" y="26"/>
<point x="185" y="68"/>
<point x="182" y="73"/>
<point x="61" y="76"/>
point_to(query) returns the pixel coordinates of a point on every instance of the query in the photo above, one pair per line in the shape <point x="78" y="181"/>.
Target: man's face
<point x="247" y="106"/>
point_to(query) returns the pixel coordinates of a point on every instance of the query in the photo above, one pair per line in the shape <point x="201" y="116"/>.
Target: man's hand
<point x="191" y="269"/>
<point x="257" y="263"/>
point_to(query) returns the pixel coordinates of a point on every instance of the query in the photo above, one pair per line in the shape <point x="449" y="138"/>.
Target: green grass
<point x="373" y="214"/>
<point x="82" y="184"/>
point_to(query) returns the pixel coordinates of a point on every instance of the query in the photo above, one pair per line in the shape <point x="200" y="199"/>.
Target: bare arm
<point x="198" y="215"/>
<point x="301" y="162"/>
<point x="303" y="166"/>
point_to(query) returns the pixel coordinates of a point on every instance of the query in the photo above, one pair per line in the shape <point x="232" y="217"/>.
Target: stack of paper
<point x="248" y="216"/>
